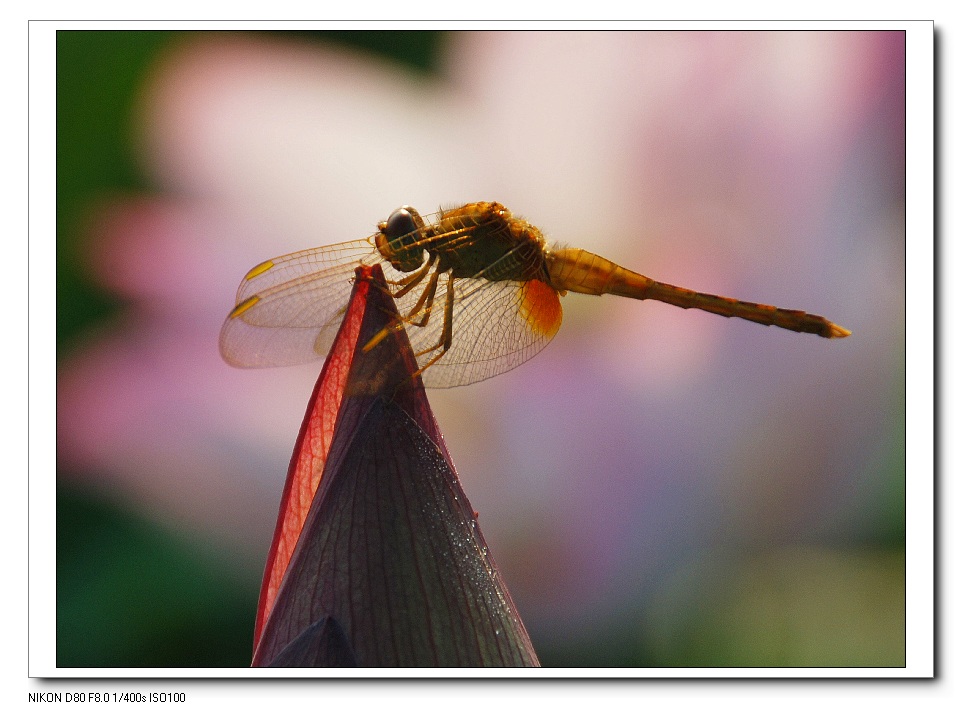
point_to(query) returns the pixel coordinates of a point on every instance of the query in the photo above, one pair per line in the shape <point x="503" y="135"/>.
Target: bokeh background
<point x="659" y="487"/>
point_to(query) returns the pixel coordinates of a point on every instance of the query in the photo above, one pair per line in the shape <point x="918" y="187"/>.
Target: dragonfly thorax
<point x="482" y="240"/>
<point x="485" y="240"/>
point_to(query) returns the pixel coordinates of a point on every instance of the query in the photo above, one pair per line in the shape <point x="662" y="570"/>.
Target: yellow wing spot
<point x="244" y="306"/>
<point x="540" y="307"/>
<point x="259" y="269"/>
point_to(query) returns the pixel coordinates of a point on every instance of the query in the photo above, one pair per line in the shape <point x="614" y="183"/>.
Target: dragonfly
<point x="477" y="290"/>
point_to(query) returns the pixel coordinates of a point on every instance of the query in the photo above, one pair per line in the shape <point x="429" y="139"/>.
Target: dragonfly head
<point x="399" y="239"/>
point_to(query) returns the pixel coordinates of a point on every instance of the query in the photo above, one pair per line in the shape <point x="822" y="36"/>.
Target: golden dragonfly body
<point x="477" y="291"/>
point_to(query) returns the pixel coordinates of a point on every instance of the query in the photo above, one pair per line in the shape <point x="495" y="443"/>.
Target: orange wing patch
<point x="540" y="307"/>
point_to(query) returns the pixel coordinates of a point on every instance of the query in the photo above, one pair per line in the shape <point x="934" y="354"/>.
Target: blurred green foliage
<point x="97" y="77"/>
<point x="131" y="594"/>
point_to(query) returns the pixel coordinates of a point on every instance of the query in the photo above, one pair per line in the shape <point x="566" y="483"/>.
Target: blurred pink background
<point x="654" y="475"/>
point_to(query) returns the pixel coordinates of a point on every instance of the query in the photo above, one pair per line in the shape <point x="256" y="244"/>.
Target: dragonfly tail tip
<point x="837" y="332"/>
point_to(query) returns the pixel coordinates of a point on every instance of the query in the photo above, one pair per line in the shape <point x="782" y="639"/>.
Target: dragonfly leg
<point x="409" y="282"/>
<point x="444" y="343"/>
<point x="427" y="297"/>
<point x="425" y="301"/>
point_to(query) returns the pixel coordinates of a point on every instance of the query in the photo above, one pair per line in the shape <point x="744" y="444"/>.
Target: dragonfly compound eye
<point x="399" y="239"/>
<point x="404" y="220"/>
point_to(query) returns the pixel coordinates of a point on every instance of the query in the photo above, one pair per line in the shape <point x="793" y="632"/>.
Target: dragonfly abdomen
<point x="792" y="319"/>
<point x="577" y="270"/>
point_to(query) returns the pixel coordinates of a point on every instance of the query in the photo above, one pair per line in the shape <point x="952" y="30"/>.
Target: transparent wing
<point x="289" y="308"/>
<point x="496" y="326"/>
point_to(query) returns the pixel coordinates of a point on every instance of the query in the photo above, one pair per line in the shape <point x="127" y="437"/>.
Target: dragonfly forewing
<point x="288" y="308"/>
